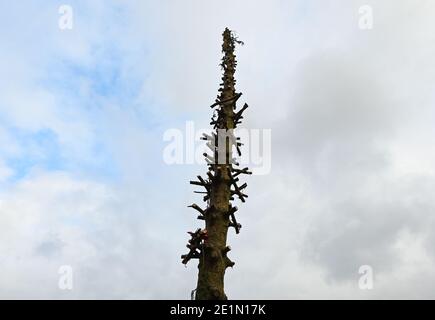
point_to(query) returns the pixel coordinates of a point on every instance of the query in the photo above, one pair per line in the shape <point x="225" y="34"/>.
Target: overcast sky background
<point x="82" y="117"/>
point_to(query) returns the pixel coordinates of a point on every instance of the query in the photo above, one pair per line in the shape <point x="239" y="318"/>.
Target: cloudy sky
<point x="83" y="112"/>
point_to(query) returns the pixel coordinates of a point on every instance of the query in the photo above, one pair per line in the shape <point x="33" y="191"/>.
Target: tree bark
<point x="219" y="215"/>
<point x="214" y="262"/>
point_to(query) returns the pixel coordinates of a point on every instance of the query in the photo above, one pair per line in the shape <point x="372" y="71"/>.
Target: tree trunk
<point x="209" y="245"/>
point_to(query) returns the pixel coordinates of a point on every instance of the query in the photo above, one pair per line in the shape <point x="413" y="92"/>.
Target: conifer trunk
<point x="209" y="245"/>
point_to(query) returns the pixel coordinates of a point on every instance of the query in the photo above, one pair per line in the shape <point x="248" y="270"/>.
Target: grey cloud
<point x="337" y="115"/>
<point x="50" y="247"/>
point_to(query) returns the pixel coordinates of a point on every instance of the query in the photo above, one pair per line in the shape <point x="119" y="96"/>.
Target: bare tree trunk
<point x="209" y="244"/>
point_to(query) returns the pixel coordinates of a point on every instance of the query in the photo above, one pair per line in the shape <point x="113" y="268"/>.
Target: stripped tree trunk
<point x="209" y="245"/>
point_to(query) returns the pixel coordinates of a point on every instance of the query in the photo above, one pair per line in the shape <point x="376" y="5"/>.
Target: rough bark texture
<point x="209" y="244"/>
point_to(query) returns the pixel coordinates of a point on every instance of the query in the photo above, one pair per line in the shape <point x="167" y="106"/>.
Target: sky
<point x="84" y="111"/>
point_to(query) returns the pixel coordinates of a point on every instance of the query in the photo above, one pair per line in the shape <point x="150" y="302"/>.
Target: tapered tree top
<point x="221" y="186"/>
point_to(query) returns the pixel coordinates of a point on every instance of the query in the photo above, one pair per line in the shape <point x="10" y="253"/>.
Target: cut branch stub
<point x="233" y="222"/>
<point x="232" y="99"/>
<point x="240" y="171"/>
<point x="201" y="182"/>
<point x="238" y="115"/>
<point x="201" y="211"/>
<point x="195" y="244"/>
